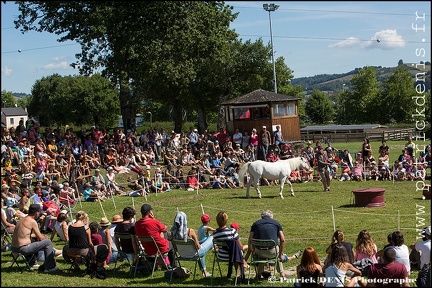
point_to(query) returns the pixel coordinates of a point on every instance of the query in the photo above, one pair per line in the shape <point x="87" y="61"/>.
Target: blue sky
<point x="313" y="37"/>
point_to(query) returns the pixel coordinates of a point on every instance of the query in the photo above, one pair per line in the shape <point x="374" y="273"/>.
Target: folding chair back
<point x="157" y="256"/>
<point x="263" y="244"/>
<point x="218" y="244"/>
<point x="121" y="237"/>
<point x="6" y="238"/>
<point x="186" y="251"/>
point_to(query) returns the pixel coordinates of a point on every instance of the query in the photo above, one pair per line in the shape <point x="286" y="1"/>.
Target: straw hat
<point x="116" y="219"/>
<point x="104" y="222"/>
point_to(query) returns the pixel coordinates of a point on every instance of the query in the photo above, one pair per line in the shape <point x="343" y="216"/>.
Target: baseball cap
<point x="148" y="167"/>
<point x="235" y="225"/>
<point x="195" y="130"/>
<point x="64" y="211"/>
<point x="264" y="127"/>
<point x="205" y="218"/>
<point x="319" y="147"/>
<point x="145" y="208"/>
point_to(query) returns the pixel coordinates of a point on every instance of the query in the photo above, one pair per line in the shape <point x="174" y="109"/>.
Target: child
<point x="204" y="230"/>
<point x="236" y="226"/>
<point x="345" y="176"/>
<point x="295" y="176"/>
<point x="358" y="171"/>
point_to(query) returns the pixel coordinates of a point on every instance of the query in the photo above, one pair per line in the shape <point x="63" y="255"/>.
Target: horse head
<point x="304" y="163"/>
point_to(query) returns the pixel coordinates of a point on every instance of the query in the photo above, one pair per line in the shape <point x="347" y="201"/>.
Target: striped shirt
<point x="223" y="234"/>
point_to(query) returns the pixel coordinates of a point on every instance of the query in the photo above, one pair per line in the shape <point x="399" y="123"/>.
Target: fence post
<point x="334" y="222"/>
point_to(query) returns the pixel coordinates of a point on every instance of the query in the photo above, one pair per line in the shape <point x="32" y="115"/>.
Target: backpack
<point x="424" y="276"/>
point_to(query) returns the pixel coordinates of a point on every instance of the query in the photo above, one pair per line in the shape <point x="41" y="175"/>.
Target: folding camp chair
<point x="27" y="260"/>
<point x="6" y="238"/>
<point x="157" y="256"/>
<point x="218" y="244"/>
<point x="186" y="251"/>
<point x="263" y="244"/>
<point x="75" y="260"/>
<point x="133" y="263"/>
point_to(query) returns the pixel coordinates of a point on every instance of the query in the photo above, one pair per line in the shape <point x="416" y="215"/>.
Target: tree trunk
<point x="178" y="116"/>
<point x="126" y="108"/>
<point x="202" y="123"/>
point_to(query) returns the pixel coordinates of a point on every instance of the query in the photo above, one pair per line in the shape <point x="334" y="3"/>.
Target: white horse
<point x="271" y="171"/>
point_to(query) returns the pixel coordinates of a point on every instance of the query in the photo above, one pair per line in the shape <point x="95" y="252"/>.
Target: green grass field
<point x="308" y="219"/>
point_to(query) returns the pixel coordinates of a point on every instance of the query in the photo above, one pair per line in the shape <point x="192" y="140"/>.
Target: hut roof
<point x="259" y="96"/>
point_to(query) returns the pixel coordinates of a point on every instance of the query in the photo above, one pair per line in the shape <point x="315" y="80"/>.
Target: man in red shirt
<point x="389" y="273"/>
<point x="149" y="226"/>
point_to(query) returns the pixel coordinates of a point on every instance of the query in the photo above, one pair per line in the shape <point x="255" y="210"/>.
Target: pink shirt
<point x="361" y="255"/>
<point x="254" y="140"/>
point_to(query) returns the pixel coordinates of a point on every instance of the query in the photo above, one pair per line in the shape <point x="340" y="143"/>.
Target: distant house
<point x="10" y="117"/>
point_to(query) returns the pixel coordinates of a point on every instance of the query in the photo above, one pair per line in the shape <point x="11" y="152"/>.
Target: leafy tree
<point x="74" y="99"/>
<point x="395" y="103"/>
<point x="319" y="108"/>
<point x="400" y="62"/>
<point x="361" y="106"/>
<point x="8" y="100"/>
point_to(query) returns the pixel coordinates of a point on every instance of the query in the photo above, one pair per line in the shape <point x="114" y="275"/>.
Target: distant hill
<point x="336" y="82"/>
<point x="20" y="95"/>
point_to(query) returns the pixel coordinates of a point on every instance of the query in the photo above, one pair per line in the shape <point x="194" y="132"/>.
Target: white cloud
<point x="385" y="39"/>
<point x="59" y="58"/>
<point x="6" y="71"/>
<point x="349" y="42"/>
<point x="59" y="65"/>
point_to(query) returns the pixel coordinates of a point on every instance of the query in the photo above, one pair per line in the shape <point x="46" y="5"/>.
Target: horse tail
<point x="243" y="171"/>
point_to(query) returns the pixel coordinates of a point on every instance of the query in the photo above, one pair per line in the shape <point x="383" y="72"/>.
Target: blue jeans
<point x="33" y="248"/>
<point x="205" y="247"/>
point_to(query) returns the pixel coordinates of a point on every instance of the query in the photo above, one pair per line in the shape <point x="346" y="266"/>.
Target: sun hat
<point x="104" y="222"/>
<point x="116" y="219"/>
<point x="427" y="230"/>
<point x="205" y="218"/>
<point x="235" y="225"/>
<point x="64" y="211"/>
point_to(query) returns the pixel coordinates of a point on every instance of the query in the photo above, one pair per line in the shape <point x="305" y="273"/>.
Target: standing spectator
<point x="366" y="147"/>
<point x="390" y="272"/>
<point x="278" y="139"/>
<point x="222" y="136"/>
<point x="22" y="240"/>
<point x="237" y="137"/>
<point x="148" y="225"/>
<point x="265" y="140"/>
<point x="410" y="146"/>
<point x="245" y="140"/>
<point x="323" y="168"/>
<point x="254" y="142"/>
<point x="384" y="147"/>
<point x="267" y="228"/>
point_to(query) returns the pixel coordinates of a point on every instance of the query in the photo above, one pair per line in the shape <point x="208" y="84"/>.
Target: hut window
<point x="285" y="109"/>
<point x="242" y="113"/>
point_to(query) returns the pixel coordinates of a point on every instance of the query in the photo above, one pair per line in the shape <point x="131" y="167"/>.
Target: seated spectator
<point x="389" y="272"/>
<point x="80" y="243"/>
<point x="128" y="246"/>
<point x="338" y="268"/>
<point x="294" y="177"/>
<point x="180" y="231"/>
<point x="424" y="249"/>
<point x="338" y="238"/>
<point x="402" y="252"/>
<point x="271" y="156"/>
<point x="22" y="240"/>
<point x="310" y="271"/>
<point x="218" y="180"/>
<point x="346" y="172"/>
<point x="148" y="225"/>
<point x="357" y="173"/>
<point x="10" y="227"/>
<point x="192" y="180"/>
<point x="286" y="152"/>
<point x="104" y="231"/>
<point x="234" y="245"/>
<point x="204" y="230"/>
<point x="90" y="195"/>
<point x="60" y="227"/>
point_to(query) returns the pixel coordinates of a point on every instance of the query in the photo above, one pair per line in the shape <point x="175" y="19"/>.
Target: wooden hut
<point x="263" y="108"/>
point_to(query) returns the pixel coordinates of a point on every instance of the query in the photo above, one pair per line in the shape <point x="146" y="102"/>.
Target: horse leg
<point x="255" y="183"/>
<point x="248" y="186"/>
<point x="292" y="191"/>
<point x="282" y="183"/>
